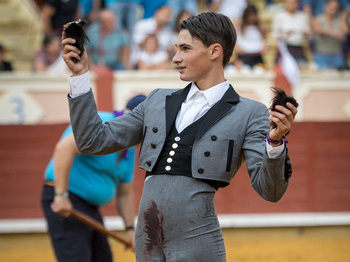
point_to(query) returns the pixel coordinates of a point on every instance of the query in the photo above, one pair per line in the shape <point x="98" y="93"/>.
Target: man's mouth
<point x="181" y="69"/>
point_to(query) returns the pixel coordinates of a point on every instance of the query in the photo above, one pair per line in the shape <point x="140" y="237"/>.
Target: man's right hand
<point x="62" y="205"/>
<point x="70" y="51"/>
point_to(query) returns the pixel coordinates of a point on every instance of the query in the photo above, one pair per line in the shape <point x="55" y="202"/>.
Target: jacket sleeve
<point x="96" y="138"/>
<point x="267" y="174"/>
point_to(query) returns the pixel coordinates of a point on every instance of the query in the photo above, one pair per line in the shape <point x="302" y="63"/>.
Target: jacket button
<point x="155" y="130"/>
<point x="153" y="146"/>
<point x="148" y="163"/>
<point x="213" y="138"/>
<point x="207" y="153"/>
<point x="200" y="171"/>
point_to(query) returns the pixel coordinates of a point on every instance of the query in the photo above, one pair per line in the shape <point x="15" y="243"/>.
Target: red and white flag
<point x="288" y="65"/>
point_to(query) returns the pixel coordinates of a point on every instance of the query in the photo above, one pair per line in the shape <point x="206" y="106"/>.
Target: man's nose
<point x="176" y="58"/>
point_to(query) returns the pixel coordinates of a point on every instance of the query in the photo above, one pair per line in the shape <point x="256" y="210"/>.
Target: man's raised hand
<point x="70" y="51"/>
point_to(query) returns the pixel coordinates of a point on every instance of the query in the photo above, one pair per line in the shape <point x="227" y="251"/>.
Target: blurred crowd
<point x="140" y="34"/>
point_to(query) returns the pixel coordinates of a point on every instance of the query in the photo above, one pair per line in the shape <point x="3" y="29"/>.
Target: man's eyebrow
<point x="182" y="45"/>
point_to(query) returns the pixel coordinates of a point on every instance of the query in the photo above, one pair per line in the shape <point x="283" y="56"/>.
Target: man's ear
<point x="216" y="51"/>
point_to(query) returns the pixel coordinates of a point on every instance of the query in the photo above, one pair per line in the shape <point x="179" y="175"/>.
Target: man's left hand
<point x="283" y="117"/>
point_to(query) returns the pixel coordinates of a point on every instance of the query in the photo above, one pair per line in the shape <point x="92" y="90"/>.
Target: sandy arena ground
<point x="321" y="244"/>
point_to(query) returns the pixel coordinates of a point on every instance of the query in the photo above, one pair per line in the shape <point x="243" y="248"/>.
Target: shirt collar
<point x="212" y="94"/>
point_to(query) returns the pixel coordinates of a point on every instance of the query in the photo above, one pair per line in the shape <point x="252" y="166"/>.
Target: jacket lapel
<point x="173" y="105"/>
<point x="219" y="110"/>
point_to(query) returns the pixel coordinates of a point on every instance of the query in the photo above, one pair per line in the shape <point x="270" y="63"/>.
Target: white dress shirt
<point x="196" y="104"/>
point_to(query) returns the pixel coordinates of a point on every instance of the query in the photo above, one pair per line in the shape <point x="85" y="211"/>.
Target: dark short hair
<point x="211" y="28"/>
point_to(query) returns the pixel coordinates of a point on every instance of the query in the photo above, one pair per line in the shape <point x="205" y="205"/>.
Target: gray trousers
<point x="177" y="222"/>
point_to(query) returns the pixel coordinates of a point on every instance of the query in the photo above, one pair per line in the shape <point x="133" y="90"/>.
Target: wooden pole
<point x="98" y="227"/>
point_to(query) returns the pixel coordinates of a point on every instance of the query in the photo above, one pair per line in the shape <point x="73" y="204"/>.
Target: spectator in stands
<point x="233" y="9"/>
<point x="85" y="183"/>
<point x="49" y="58"/>
<point x="346" y="46"/>
<point x="108" y="45"/>
<point x="56" y="13"/>
<point x="250" y="40"/>
<point x="178" y="5"/>
<point x="158" y="25"/>
<point x="125" y="12"/>
<point x="4" y="65"/>
<point x="182" y="16"/>
<point x="150" y="7"/>
<point x="314" y="8"/>
<point x="293" y="27"/>
<point x="329" y="37"/>
<point x="90" y="9"/>
<point x="151" y="57"/>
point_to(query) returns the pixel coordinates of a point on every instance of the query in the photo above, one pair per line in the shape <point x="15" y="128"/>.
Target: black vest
<point x="176" y="155"/>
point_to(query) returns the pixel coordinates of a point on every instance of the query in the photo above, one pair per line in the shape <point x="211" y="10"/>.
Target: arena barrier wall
<point x="318" y="192"/>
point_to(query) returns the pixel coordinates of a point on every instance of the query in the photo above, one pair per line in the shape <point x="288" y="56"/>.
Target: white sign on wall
<point x="19" y="108"/>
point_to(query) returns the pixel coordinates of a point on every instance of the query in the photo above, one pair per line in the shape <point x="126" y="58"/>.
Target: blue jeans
<point x="329" y="61"/>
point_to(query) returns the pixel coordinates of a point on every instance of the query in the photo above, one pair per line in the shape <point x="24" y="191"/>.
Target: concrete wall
<point x="41" y="99"/>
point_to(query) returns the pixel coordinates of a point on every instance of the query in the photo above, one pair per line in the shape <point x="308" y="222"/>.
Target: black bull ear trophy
<point x="281" y="98"/>
<point x="76" y="30"/>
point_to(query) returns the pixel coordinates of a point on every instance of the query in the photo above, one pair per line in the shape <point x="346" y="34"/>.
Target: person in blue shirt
<point x="86" y="183"/>
<point x="315" y="8"/>
<point x="125" y="11"/>
<point x="151" y="6"/>
<point x="108" y="45"/>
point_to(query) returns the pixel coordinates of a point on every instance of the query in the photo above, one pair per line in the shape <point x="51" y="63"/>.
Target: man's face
<point x="192" y="58"/>
<point x="54" y="48"/>
<point x="163" y="16"/>
<point x="331" y="8"/>
<point x="292" y="5"/>
<point x="107" y="21"/>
